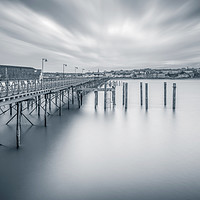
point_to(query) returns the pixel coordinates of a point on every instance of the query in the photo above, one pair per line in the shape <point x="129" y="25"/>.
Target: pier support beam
<point x="45" y="110"/>
<point x="39" y="104"/>
<point x="68" y="97"/>
<point x="141" y="94"/>
<point x="146" y="96"/>
<point x="18" y="125"/>
<point x="49" y="102"/>
<point x="165" y="93"/>
<point x="105" y="95"/>
<point x="10" y="109"/>
<point x="96" y="99"/>
<point x="72" y="95"/>
<point x="60" y="106"/>
<point x="174" y="96"/>
<point x="113" y="95"/>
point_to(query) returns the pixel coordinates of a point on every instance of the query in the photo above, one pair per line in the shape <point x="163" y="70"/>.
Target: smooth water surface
<point x="112" y="155"/>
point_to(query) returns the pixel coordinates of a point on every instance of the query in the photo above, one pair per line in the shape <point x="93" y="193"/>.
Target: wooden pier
<point x="14" y="93"/>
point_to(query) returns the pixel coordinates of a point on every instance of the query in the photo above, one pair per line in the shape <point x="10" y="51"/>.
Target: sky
<point x="104" y="34"/>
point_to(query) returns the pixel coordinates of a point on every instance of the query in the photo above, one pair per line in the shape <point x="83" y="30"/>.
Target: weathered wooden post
<point x="165" y="93"/>
<point x="141" y="94"/>
<point x="68" y="97"/>
<point x="49" y="102"/>
<point x="45" y="110"/>
<point x="18" y="125"/>
<point x="174" y="96"/>
<point x="105" y="95"/>
<point x="126" y="95"/>
<point x="56" y="98"/>
<point x="78" y="98"/>
<point x="10" y="109"/>
<point x="36" y="103"/>
<point x="96" y="98"/>
<point x="60" y="106"/>
<point x="81" y="98"/>
<point x="146" y="95"/>
<point x="39" y="104"/>
<point x="123" y="95"/>
<point x="72" y="95"/>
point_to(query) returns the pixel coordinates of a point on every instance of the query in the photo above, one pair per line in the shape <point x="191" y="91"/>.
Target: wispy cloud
<point x="99" y="33"/>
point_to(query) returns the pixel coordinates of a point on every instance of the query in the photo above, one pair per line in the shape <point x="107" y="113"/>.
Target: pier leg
<point x="126" y="95"/>
<point x="105" y="95"/>
<point x="96" y="99"/>
<point x="165" y="93"/>
<point x="60" y="106"/>
<point x="68" y="97"/>
<point x="72" y="95"/>
<point x="39" y="104"/>
<point x="49" y="102"/>
<point x="146" y="95"/>
<point x="28" y="104"/>
<point x="10" y="109"/>
<point x="113" y="95"/>
<point x="36" y="103"/>
<point x="45" y="110"/>
<point x="141" y="94"/>
<point x="18" y="125"/>
<point x="78" y="99"/>
<point x="174" y="96"/>
<point x="81" y="98"/>
<point x="56" y="99"/>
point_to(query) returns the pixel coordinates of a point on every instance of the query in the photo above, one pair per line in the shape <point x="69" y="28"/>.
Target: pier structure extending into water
<point x="35" y="93"/>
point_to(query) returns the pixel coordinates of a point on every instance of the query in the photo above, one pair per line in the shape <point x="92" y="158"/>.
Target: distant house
<point x="18" y="72"/>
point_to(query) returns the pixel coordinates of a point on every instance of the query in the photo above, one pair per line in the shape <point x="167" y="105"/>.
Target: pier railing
<point x="13" y="87"/>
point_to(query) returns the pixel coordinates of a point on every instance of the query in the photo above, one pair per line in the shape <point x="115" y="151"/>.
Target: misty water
<point x="112" y="155"/>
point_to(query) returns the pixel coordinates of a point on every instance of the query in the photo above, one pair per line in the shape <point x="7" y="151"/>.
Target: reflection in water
<point x="117" y="154"/>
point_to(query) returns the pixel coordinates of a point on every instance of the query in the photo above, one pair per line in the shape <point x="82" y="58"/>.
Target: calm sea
<point x="112" y="155"/>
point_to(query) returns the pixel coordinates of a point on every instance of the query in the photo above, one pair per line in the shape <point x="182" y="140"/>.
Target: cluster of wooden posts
<point x="125" y="95"/>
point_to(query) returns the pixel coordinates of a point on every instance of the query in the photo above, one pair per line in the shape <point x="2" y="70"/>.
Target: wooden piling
<point x="56" y="99"/>
<point x="39" y="104"/>
<point x="10" y="109"/>
<point x="49" y="97"/>
<point x="126" y="95"/>
<point x="45" y="110"/>
<point x="78" y="98"/>
<point x="146" y="96"/>
<point x="60" y="106"/>
<point x="174" y="96"/>
<point x="105" y="95"/>
<point x="81" y="98"/>
<point x="72" y="95"/>
<point x="113" y="95"/>
<point x="141" y="94"/>
<point x="96" y="99"/>
<point x="68" y="97"/>
<point x="18" y="125"/>
<point x="165" y="93"/>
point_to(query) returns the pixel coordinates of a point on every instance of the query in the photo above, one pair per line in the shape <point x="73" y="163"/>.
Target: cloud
<point x="99" y="33"/>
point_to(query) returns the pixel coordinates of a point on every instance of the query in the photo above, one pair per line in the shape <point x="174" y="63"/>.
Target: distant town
<point x="21" y="72"/>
